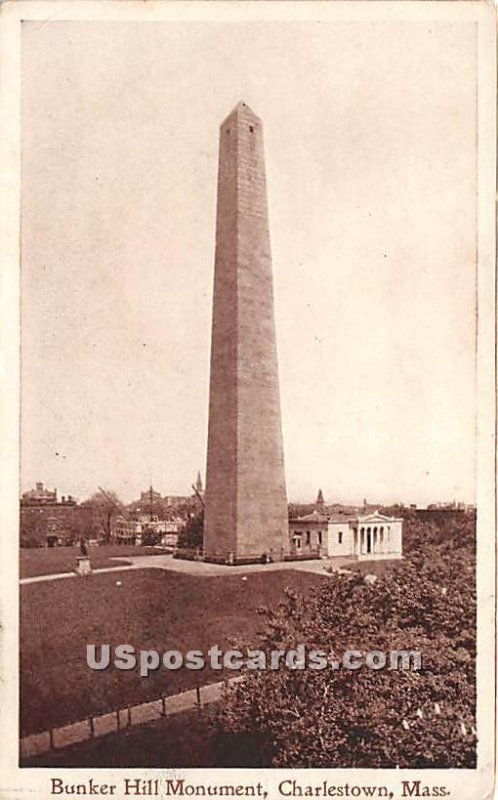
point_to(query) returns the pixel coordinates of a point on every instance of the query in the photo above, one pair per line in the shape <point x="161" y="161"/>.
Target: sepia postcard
<point x="248" y="415"/>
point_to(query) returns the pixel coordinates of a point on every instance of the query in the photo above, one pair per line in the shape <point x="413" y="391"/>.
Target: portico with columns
<point x="369" y="537"/>
<point x="377" y="535"/>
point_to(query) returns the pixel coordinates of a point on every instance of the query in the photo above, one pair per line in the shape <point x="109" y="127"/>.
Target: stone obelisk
<point x="245" y="499"/>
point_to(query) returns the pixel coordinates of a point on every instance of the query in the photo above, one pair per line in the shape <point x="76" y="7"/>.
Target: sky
<point x="370" y="140"/>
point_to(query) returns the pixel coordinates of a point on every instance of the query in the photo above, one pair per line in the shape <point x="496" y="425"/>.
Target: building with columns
<point x="369" y="536"/>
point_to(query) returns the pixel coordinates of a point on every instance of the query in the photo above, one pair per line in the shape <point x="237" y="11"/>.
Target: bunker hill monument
<point x="245" y="500"/>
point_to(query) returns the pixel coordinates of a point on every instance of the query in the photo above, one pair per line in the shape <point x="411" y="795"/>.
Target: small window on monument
<point x="251" y="128"/>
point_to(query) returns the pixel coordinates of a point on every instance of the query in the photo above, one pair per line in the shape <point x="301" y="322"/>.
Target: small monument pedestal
<point x="83" y="566"/>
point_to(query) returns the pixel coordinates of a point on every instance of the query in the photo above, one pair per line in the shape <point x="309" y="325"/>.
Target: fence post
<point x="118" y="724"/>
<point x="51" y="737"/>
<point x="198" y="696"/>
<point x="92" y="727"/>
<point x="129" y="717"/>
<point x="163" y="706"/>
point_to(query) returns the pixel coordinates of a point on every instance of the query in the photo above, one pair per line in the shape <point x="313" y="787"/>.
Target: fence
<point x="57" y="738"/>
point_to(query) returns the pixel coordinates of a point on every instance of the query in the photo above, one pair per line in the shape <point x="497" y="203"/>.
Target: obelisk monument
<point x="245" y="499"/>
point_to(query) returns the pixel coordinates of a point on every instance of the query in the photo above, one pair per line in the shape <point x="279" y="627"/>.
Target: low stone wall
<point x="111" y="722"/>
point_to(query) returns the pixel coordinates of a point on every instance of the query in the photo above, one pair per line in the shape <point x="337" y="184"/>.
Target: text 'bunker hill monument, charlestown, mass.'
<point x="245" y="503"/>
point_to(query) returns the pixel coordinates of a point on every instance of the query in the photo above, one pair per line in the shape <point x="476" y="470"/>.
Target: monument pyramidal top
<point x="242" y="111"/>
<point x="246" y="503"/>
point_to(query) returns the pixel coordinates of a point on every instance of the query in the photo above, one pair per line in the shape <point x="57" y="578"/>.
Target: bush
<point x="31" y="541"/>
<point x="188" y="555"/>
<point x="151" y="538"/>
<point x="372" y="718"/>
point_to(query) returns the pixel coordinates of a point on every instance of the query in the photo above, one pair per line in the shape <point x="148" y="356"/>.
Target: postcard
<point x="249" y="399"/>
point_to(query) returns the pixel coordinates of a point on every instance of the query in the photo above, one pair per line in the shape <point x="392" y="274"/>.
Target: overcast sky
<point x="370" y="153"/>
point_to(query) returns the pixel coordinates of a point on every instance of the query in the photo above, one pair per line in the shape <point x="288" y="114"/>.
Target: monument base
<point x="233" y="560"/>
<point x="83" y="565"/>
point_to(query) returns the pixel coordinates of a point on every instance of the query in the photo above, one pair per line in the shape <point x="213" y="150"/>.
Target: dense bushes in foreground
<point x="370" y="718"/>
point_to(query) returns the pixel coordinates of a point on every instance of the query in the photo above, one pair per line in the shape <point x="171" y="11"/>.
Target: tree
<point x="33" y="527"/>
<point x="191" y="537"/>
<point x="371" y="718"/>
<point x="104" y="506"/>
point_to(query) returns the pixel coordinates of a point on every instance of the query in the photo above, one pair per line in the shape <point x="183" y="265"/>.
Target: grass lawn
<point x="152" y="609"/>
<point x="51" y="560"/>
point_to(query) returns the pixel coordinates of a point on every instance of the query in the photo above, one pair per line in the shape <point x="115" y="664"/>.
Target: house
<point x="126" y="530"/>
<point x="171" y="531"/>
<point x="369" y="536"/>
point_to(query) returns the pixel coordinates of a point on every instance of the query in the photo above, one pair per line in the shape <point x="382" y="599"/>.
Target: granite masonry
<point x="245" y="502"/>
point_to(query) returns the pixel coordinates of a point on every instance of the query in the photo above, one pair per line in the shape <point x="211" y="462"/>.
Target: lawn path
<point x="57" y="738"/>
<point x="57" y="575"/>
<point x="198" y="567"/>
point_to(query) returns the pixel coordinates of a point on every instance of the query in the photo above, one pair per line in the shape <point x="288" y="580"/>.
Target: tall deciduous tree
<point x="105" y="507"/>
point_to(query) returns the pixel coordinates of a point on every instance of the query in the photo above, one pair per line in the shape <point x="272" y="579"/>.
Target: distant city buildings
<point x="453" y="506"/>
<point x="47" y="521"/>
<point x="155" y="519"/>
<point x="39" y="495"/>
<point x="315" y="529"/>
<point x="145" y="529"/>
<point x="150" y="495"/>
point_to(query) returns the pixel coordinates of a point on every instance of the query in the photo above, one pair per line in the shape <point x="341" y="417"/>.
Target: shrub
<point x="368" y="718"/>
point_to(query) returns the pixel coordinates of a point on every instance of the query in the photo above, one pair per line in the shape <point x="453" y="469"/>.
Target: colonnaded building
<point x="372" y="536"/>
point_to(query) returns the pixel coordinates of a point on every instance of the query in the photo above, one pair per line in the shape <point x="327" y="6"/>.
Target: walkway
<point x="56" y="575"/>
<point x="206" y="569"/>
<point x="93" y="727"/>
<point x="200" y="568"/>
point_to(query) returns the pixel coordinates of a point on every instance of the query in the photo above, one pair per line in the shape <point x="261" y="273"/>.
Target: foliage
<point x="104" y="507"/>
<point x="192" y="536"/>
<point x="33" y="529"/>
<point x="371" y="718"/>
<point x="150" y="537"/>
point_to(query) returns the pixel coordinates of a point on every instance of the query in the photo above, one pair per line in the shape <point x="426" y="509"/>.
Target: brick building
<point x="47" y="521"/>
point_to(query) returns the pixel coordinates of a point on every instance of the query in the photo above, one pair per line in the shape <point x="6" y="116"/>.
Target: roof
<point x="316" y="516"/>
<point x="375" y="516"/>
<point x="319" y="516"/>
<point x="337" y="519"/>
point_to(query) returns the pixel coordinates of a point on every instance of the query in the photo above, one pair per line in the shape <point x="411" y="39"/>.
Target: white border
<point x="21" y="783"/>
